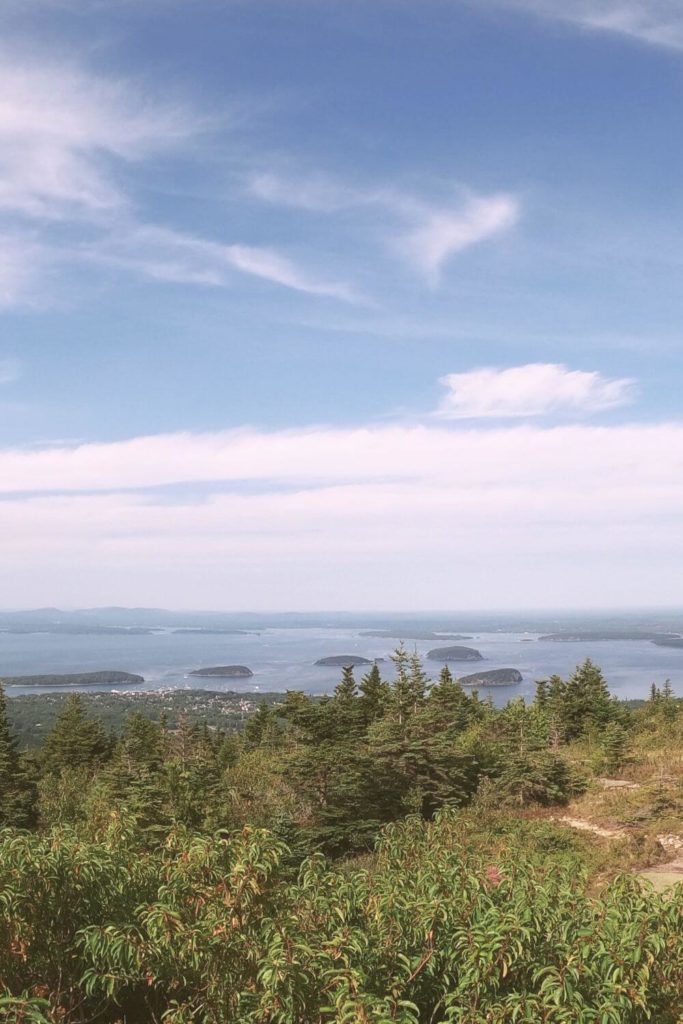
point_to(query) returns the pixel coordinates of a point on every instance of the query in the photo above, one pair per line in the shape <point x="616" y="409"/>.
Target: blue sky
<point x="338" y="304"/>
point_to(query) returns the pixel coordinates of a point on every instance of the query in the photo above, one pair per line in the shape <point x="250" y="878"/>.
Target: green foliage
<point x="174" y="874"/>
<point x="17" y="795"/>
<point x="214" y="929"/>
<point x="76" y="741"/>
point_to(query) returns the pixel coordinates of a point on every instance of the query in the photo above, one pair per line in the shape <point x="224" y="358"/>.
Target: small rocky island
<point x="455" y="654"/>
<point x="75" y="679"/>
<point x="224" y="672"/>
<point x="343" y="661"/>
<point x="493" y="677"/>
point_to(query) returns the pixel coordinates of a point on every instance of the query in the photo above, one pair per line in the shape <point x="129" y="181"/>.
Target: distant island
<point x="74" y="679"/>
<point x="455" y="654"/>
<point x="611" y="634"/>
<point x="493" y="677"/>
<point x="343" y="661"/>
<point x="224" y="672"/>
<point x="416" y="634"/>
<point x="209" y="631"/>
<point x="668" y="641"/>
<point x="67" y="629"/>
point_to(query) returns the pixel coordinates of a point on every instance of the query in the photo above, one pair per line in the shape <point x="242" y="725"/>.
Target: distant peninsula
<point x="579" y="635"/>
<point x="224" y="672"/>
<point x="408" y="634"/>
<point x="493" y="677"/>
<point x="669" y="641"/>
<point x="209" y="631"/>
<point x="455" y="654"/>
<point x="67" y="629"/>
<point x="75" y="679"/>
<point x="343" y="661"/>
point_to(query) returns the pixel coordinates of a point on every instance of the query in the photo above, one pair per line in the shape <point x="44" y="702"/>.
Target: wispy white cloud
<point x="426" y="233"/>
<point x="65" y="137"/>
<point x="62" y="130"/>
<point x="536" y="389"/>
<point x="166" y="255"/>
<point x="317" y="193"/>
<point x="445" y="233"/>
<point x="655" y="22"/>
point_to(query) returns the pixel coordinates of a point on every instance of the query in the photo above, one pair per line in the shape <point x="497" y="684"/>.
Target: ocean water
<point x="283" y="658"/>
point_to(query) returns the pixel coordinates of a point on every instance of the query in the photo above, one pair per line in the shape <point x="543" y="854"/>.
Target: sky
<point x="341" y="304"/>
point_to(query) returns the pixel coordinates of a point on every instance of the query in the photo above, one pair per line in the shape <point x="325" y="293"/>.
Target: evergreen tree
<point x="588" y="706"/>
<point x="374" y="693"/>
<point x="75" y="741"/>
<point x="134" y="774"/>
<point x="417" y="682"/>
<point x="541" y="698"/>
<point x="448" y="707"/>
<point x="400" y="693"/>
<point x="346" y="690"/>
<point x="259" y="726"/>
<point x="614" y="744"/>
<point x="16" y="794"/>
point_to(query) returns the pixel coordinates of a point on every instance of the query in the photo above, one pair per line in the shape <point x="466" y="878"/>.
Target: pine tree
<point x="400" y="694"/>
<point x="134" y="774"/>
<point x="75" y="741"/>
<point x="417" y="682"/>
<point x="614" y="744"/>
<point x="346" y="690"/>
<point x="16" y="795"/>
<point x="257" y="726"/>
<point x="588" y="706"/>
<point x="541" y="698"/>
<point x="374" y="693"/>
<point x="448" y="707"/>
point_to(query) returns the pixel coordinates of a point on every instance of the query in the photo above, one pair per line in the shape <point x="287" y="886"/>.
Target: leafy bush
<point x="213" y="929"/>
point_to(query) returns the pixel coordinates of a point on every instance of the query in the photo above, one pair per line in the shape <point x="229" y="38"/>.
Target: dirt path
<point x="664" y="876"/>
<point x="661" y="876"/>
<point x="617" y="784"/>
<point x="588" y="826"/>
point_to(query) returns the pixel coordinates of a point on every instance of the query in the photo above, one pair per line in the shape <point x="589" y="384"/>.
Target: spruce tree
<point x="134" y="774"/>
<point x="588" y="706"/>
<point x="374" y="694"/>
<point x="346" y="690"/>
<point x="75" y="741"/>
<point x="257" y="725"/>
<point x="401" y="694"/>
<point x="417" y="682"/>
<point x="614" y="744"/>
<point x="15" y="791"/>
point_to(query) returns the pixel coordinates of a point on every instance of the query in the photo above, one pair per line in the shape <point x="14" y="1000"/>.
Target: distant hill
<point x="576" y="636"/>
<point x="105" y="678"/>
<point x="408" y="634"/>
